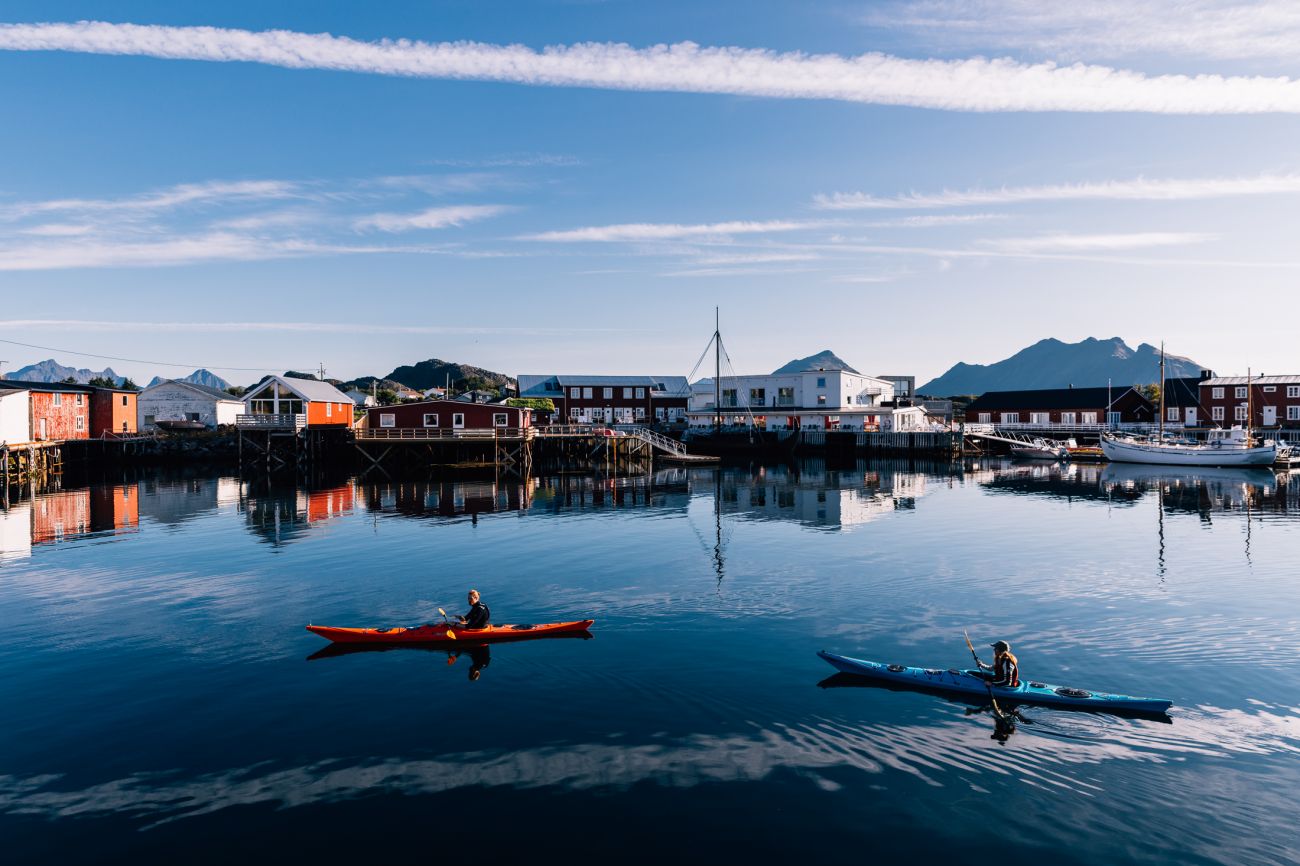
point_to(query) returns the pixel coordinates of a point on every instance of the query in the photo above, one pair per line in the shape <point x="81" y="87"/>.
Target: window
<point x="640" y="393"/>
<point x="757" y="396"/>
<point x="575" y="413"/>
<point x="785" y="396"/>
<point x="1241" y="392"/>
<point x="1239" y="413"/>
<point x="123" y="399"/>
<point x="329" y="410"/>
<point x="149" y="419"/>
<point x="575" y="393"/>
<point x="1010" y="417"/>
<point x="821" y="399"/>
<point x="821" y="381"/>
<point x="458" y="420"/>
<point x="1293" y="390"/>
<point x="58" y="399"/>
<point x="728" y="396"/>
<point x="1171" y="413"/>
<point x="1040" y="417"/>
<point x="608" y="393"/>
<point x="586" y="393"/>
<point x="986" y="417"/>
<point x="81" y="422"/>
<point x="1067" y="417"/>
<point x="500" y="419"/>
<point x="1217" y="413"/>
<point x="627" y="393"/>
<point x="81" y="399"/>
<point x="1113" y="418"/>
<point x="640" y="413"/>
<point x="1269" y="389"/>
<point x="387" y="419"/>
<point x="431" y="419"/>
<point x="1216" y="393"/>
<point x="659" y="413"/>
<point x="1293" y="413"/>
<point x="1088" y="418"/>
<point x="194" y="416"/>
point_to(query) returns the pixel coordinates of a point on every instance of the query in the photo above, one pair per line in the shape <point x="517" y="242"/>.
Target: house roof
<point x="205" y="390"/>
<point x="48" y="387"/>
<point x="1183" y="392"/>
<point x="312" y="390"/>
<point x="5" y="392"/>
<point x="1047" y="399"/>
<point x="1254" y="380"/>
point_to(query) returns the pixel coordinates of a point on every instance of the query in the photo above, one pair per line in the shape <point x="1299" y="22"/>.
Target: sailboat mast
<point x="1249" y="401"/>
<point x="1162" y="390"/>
<point x="717" y="369"/>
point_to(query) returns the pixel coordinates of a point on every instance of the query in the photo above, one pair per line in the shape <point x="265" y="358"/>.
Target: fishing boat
<point x="1232" y="447"/>
<point x="972" y="683"/>
<point x="1041" y="449"/>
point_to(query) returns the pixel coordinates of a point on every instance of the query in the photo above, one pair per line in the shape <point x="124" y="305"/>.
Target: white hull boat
<point x="1222" y="448"/>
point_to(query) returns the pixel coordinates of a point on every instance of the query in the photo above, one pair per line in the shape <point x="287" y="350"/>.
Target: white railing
<point x="650" y="437"/>
<point x="436" y="433"/>
<point x="271" y="422"/>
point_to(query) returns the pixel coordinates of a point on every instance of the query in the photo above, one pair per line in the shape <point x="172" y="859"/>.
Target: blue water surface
<point x="159" y="695"/>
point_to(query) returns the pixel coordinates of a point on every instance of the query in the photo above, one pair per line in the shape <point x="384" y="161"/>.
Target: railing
<point x="650" y="437"/>
<point x="438" y="433"/>
<point x="271" y="422"/>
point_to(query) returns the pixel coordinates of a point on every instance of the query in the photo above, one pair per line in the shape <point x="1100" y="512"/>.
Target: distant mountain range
<point x="198" y="377"/>
<point x="823" y="360"/>
<point x="52" y="371"/>
<point x="1051" y="363"/>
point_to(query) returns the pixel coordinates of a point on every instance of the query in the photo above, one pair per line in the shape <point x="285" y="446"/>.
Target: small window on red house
<point x="500" y="419"/>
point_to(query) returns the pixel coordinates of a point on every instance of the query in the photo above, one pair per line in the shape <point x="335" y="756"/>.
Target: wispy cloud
<point x="1216" y="29"/>
<point x="975" y="84"/>
<point x="433" y="218"/>
<point x="522" y="160"/>
<point x="755" y="258"/>
<point x="95" y="325"/>
<point x="936" y="220"/>
<point x="1136" y="189"/>
<point x="165" y="199"/>
<point x="1097" y="242"/>
<point x="668" y="231"/>
<point x="217" y="246"/>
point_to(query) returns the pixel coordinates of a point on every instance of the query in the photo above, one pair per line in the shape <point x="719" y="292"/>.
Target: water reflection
<point x="64" y="515"/>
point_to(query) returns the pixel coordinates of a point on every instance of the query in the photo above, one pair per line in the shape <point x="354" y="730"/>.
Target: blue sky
<point x="907" y="183"/>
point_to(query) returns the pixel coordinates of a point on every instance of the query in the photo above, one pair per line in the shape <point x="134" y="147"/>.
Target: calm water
<point x="157" y="697"/>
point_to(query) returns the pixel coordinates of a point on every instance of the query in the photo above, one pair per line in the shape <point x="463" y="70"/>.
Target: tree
<point x="386" y="396"/>
<point x="71" y="380"/>
<point x="1151" y="391"/>
<point x="96" y="382"/>
<point x="537" y="404"/>
<point x="128" y="384"/>
<point x="236" y="390"/>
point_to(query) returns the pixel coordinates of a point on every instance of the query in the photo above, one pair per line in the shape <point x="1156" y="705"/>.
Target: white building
<point x="811" y="400"/>
<point x="362" y="398"/>
<point x="174" y="400"/>
<point x="15" y="415"/>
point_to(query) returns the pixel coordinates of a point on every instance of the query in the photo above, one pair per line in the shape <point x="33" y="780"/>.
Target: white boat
<point x="1041" y="449"/>
<point x="1221" y="448"/>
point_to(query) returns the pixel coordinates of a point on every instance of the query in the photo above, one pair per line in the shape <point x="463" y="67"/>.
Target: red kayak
<point x="441" y="633"/>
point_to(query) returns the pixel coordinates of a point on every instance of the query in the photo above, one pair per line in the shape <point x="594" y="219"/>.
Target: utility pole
<point x="322" y="371"/>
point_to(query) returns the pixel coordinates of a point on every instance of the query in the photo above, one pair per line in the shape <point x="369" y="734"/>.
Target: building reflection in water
<point x="65" y="515"/>
<point x="813" y="495"/>
<point x="282" y="514"/>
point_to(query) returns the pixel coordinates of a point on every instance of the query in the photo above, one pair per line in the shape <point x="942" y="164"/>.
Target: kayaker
<point x="478" y="615"/>
<point x="1005" y="668"/>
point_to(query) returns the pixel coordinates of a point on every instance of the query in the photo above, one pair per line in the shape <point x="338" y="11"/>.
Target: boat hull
<point x="1119" y="451"/>
<point x="967" y="682"/>
<point x="437" y="633"/>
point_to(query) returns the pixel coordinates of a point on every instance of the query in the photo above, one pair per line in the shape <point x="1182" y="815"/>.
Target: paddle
<point x="987" y="685"/>
<point x="450" y="634"/>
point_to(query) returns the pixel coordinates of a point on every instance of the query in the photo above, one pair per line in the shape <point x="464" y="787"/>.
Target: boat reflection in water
<point x="480" y="654"/>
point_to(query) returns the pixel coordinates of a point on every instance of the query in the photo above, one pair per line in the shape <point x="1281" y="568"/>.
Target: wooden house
<point x="15" y="415"/>
<point x="176" y="400"/>
<point x="1066" y="407"/>
<point x="449" y="417"/>
<point x="113" y="410"/>
<point x="281" y="401"/>
<point x="584" y="399"/>
<point x="56" y="411"/>
<point x="1273" y="401"/>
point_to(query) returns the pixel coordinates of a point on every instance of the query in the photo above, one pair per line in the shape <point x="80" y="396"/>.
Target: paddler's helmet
<point x="1001" y="646"/>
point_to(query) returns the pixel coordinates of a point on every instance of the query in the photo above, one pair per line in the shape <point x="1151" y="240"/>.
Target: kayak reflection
<point x="480" y="655"/>
<point x="979" y="702"/>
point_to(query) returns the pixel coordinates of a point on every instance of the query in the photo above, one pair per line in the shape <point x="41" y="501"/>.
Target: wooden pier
<point x="32" y="463"/>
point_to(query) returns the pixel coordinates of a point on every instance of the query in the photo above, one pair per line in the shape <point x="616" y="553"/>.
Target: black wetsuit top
<point x="478" y="616"/>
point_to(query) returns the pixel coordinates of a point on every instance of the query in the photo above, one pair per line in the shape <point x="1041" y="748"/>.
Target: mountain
<point x="1051" y="363"/>
<point x="427" y="374"/>
<point x="823" y="360"/>
<point x="52" y="371"/>
<point x="199" y="377"/>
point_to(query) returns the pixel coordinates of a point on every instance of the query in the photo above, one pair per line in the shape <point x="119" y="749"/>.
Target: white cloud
<point x="754" y="258"/>
<point x="58" y="230"/>
<point x="1136" y="189"/>
<point x="216" y="246"/>
<point x="1101" y="28"/>
<point x="668" y="231"/>
<point x="935" y="220"/>
<point x="975" y="84"/>
<point x="1101" y="242"/>
<point x="171" y="197"/>
<point x="433" y="218"/>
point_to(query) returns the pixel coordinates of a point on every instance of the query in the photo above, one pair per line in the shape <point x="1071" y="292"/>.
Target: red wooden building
<point x="112" y="410"/>
<point x="449" y="417"/>
<point x="610" y="399"/>
<point x="58" y="411"/>
<point x="1274" y="401"/>
<point x="1070" y="407"/>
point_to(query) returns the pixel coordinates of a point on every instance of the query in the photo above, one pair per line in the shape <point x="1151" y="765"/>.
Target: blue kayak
<point x="970" y="682"/>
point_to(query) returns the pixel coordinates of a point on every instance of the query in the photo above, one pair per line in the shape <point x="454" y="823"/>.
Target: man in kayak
<point x="478" y="615"/>
<point x="1005" y="668"/>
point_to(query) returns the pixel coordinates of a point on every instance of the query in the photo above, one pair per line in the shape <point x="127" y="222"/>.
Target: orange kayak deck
<point x="437" y="633"/>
